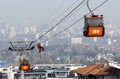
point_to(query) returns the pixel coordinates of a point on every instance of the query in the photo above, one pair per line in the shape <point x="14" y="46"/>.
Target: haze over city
<point x="38" y="12"/>
<point x="48" y="39"/>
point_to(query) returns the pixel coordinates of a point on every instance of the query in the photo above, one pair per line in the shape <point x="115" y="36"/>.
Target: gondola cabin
<point x="93" y="26"/>
<point x="25" y="67"/>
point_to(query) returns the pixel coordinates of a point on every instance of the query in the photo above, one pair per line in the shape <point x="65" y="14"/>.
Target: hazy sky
<point x="17" y="12"/>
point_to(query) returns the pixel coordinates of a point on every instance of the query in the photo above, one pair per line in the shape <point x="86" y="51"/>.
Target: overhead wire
<point x="59" y="21"/>
<point x="66" y="10"/>
<point x="76" y="11"/>
<point x="57" y="10"/>
<point x="76" y="21"/>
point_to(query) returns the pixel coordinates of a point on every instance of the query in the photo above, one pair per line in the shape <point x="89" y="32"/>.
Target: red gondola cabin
<point x="93" y="26"/>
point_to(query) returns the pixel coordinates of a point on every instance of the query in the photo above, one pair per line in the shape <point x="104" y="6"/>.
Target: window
<point x="94" y="22"/>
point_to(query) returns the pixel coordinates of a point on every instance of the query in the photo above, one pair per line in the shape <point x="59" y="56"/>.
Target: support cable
<point x="66" y="10"/>
<point x="59" y="21"/>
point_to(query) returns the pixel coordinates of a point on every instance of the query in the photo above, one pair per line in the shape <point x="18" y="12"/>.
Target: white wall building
<point x="76" y="40"/>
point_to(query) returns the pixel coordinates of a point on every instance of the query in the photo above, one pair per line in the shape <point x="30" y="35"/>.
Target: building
<point x="36" y="74"/>
<point x="76" y="40"/>
<point x="98" y="71"/>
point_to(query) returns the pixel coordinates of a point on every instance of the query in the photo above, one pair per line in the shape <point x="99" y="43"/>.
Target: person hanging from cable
<point x="41" y="48"/>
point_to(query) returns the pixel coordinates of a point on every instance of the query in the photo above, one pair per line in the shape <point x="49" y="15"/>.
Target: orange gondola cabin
<point x="93" y="26"/>
<point x="24" y="66"/>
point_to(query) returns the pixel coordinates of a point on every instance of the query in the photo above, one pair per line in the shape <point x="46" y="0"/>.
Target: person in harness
<point x="41" y="48"/>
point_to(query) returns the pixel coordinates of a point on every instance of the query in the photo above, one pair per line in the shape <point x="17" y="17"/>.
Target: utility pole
<point x="21" y="47"/>
<point x="68" y="48"/>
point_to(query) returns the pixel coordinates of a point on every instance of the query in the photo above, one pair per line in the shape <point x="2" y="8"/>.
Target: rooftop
<point x="97" y="69"/>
